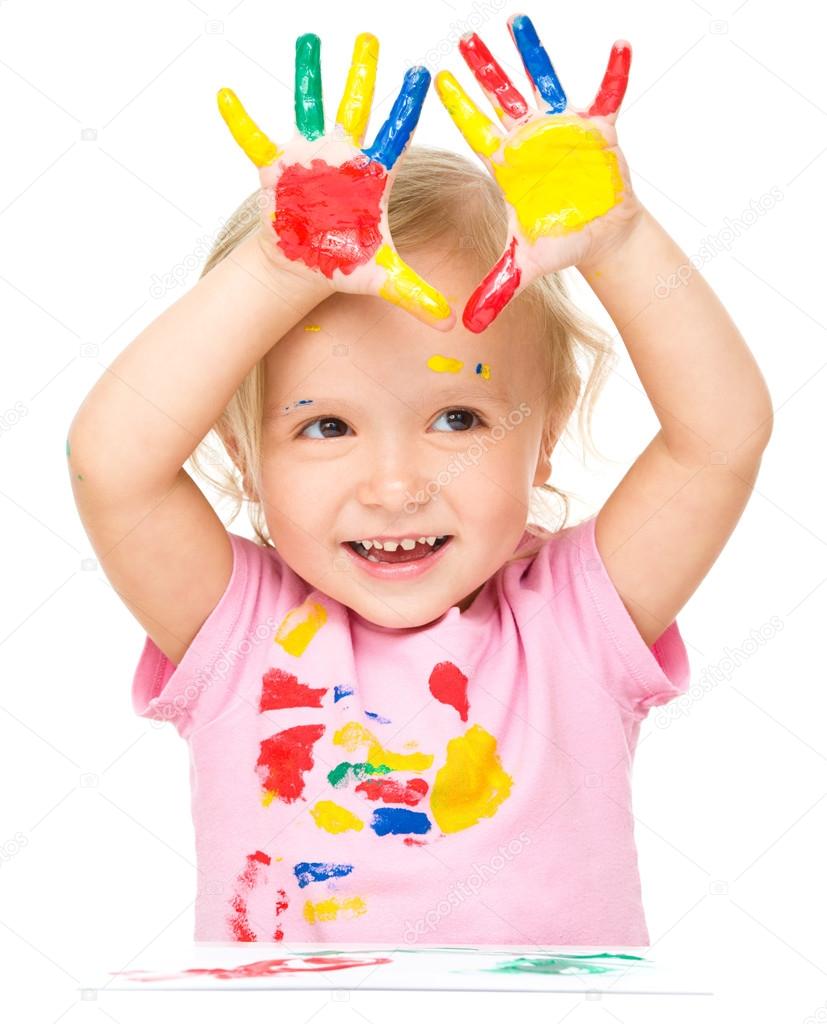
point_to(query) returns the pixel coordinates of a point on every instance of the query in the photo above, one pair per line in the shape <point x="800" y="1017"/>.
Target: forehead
<point x="351" y="345"/>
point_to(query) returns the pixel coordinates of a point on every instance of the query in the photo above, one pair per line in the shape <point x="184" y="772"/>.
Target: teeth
<point x="407" y="544"/>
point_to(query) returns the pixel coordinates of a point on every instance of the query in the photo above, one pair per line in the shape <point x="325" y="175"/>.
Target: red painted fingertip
<point x="613" y="87"/>
<point x="494" y="293"/>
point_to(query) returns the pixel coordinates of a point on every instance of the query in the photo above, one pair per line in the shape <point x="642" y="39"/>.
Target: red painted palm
<point x="324" y="198"/>
<point x="563" y="177"/>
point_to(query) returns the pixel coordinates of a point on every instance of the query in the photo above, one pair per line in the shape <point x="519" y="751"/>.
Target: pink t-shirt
<point x="467" y="781"/>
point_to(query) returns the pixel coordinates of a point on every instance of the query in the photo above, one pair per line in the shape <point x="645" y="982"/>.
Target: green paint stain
<point x="570" y="964"/>
<point x="339" y="775"/>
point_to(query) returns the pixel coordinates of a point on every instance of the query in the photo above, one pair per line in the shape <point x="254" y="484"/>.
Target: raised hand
<point x="562" y="175"/>
<point x="324" y="197"/>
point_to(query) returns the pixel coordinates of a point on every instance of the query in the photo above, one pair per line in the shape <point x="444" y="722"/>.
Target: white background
<point x="117" y="167"/>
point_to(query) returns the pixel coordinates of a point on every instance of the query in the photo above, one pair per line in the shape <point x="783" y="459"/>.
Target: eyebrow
<point x="494" y="395"/>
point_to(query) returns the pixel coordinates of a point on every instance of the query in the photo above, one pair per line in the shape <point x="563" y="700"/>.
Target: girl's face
<point x="385" y="445"/>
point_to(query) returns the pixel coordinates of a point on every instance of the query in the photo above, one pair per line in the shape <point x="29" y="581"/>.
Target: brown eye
<point x="458" y="420"/>
<point x="326" y="424"/>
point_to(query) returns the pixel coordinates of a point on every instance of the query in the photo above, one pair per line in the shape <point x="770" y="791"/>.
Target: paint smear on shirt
<point x="450" y="686"/>
<point x="329" y="910"/>
<point x="390" y="791"/>
<point x="283" y="761"/>
<point x="280" y="689"/>
<point x="334" y="818"/>
<point x="239" y="919"/>
<point x="399" y="821"/>
<point x="354" y="735"/>
<point x="317" y="871"/>
<point x="347" y="771"/>
<point x="471" y="784"/>
<point x="299" y="626"/>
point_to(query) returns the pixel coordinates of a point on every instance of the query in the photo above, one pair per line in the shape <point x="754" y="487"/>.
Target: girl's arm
<point x="160" y="543"/>
<point x="666" y="522"/>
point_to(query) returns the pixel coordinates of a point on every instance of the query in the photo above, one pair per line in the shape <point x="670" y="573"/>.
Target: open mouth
<point x="420" y="550"/>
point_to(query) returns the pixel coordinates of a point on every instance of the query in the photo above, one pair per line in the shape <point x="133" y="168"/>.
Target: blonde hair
<point x="438" y="197"/>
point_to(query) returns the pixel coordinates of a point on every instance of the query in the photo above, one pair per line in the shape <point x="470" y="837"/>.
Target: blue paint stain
<point x="379" y="718"/>
<point x="341" y="691"/>
<point x="399" y="820"/>
<point x="394" y="134"/>
<point x="537" y="63"/>
<point x="478" y="368"/>
<point x="317" y="871"/>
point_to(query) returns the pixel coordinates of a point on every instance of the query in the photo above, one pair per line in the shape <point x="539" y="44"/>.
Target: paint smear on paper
<point x="267" y="968"/>
<point x="280" y="689"/>
<point x="329" y="910"/>
<point x="334" y="818"/>
<point x="571" y="964"/>
<point x="318" y="871"/>
<point x="450" y="686"/>
<point x="391" y="791"/>
<point x="444" y="364"/>
<point x="328" y="217"/>
<point x="471" y="784"/>
<point x="354" y="735"/>
<point x="299" y="627"/>
<point x="283" y="761"/>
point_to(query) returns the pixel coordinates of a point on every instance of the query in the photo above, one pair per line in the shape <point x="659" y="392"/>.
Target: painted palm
<point x="324" y="196"/>
<point x="564" y="180"/>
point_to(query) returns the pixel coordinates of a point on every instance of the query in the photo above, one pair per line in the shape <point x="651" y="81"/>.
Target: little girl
<point x="411" y="713"/>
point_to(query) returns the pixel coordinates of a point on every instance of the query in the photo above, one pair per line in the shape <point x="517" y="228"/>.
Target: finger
<point x="404" y="287"/>
<point x="494" y="292"/>
<point x="495" y="83"/>
<point x="308" y="87"/>
<point x="481" y="134"/>
<point x="258" y="147"/>
<point x="354" y="109"/>
<point x="613" y="87"/>
<point x="395" y="133"/>
<point x="536" y="62"/>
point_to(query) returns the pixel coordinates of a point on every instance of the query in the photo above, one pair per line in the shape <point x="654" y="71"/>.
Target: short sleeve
<point x="640" y="677"/>
<point x="207" y="678"/>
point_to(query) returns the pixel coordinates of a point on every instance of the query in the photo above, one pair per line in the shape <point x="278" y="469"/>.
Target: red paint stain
<point x="281" y="906"/>
<point x="267" y="968"/>
<point x="284" y="759"/>
<point x="494" y="293"/>
<point x="239" y="921"/>
<point x="450" y="686"/>
<point x="391" y="791"/>
<point x="329" y="217"/>
<point x="280" y="689"/>
<point x="410" y="841"/>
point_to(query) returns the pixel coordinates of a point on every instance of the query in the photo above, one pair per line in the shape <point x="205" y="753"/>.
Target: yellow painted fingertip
<point x="255" y="143"/>
<point x="478" y="131"/>
<point x="404" y="287"/>
<point x="354" y="109"/>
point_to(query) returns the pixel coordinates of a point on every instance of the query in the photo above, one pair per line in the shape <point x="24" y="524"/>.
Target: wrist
<point x="622" y="247"/>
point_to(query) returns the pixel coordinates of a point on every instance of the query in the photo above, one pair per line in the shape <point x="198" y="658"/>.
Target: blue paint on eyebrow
<point x="394" y="134"/>
<point x="295" y="405"/>
<point x="537" y="63"/>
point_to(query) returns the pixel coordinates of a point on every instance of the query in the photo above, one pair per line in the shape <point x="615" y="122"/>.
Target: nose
<point x="392" y="479"/>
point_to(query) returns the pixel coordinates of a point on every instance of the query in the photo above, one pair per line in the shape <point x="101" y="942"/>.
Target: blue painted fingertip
<point x="537" y="63"/>
<point x="394" y="134"/>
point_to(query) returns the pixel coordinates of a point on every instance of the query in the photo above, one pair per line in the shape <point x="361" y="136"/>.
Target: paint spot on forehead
<point x="444" y="364"/>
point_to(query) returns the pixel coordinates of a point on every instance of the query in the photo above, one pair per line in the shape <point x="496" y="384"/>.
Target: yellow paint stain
<point x="478" y="131"/>
<point x="354" y="109"/>
<point x="299" y="627"/>
<point x="558" y="174"/>
<point x="485" y="371"/>
<point x="444" y="364"/>
<point x="329" y="910"/>
<point x="471" y="784"/>
<point x="267" y="797"/>
<point x="404" y="287"/>
<point x="334" y="818"/>
<point x="258" y="147"/>
<point x="312" y="327"/>
<point x="353" y="735"/>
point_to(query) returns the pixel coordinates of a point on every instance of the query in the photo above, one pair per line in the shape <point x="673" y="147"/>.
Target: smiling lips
<point x="420" y="549"/>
